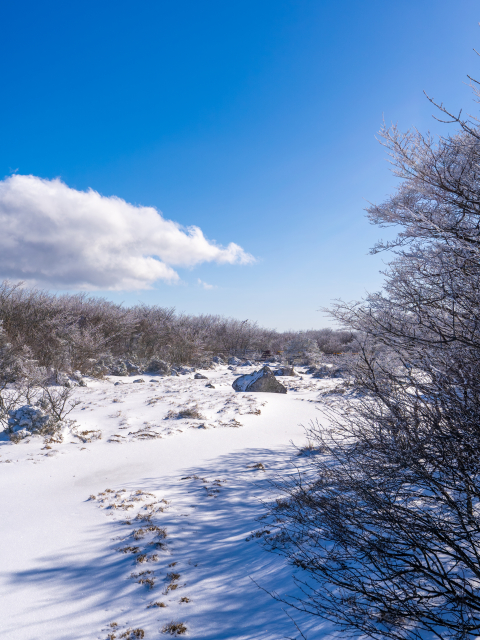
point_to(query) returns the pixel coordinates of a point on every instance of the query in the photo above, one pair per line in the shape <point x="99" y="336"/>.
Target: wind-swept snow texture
<point x="138" y="508"/>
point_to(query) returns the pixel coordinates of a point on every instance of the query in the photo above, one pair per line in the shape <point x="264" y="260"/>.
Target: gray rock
<point x="210" y="386"/>
<point x="262" y="380"/>
<point x="234" y="360"/>
<point x="198" y="376"/>
<point x="158" y="366"/>
<point x="139" y="380"/>
<point x="217" y="360"/>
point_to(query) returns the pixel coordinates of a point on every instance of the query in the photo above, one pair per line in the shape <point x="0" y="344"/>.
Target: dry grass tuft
<point x="175" y="628"/>
<point x="257" y="465"/>
<point x="187" y="412"/>
<point x="145" y="577"/>
<point x="88" y="436"/>
<point x="173" y="577"/>
<point x="172" y="585"/>
<point x="133" y="634"/>
<point x="309" y="449"/>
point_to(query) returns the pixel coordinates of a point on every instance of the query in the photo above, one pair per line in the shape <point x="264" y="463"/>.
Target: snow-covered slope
<point x="156" y="509"/>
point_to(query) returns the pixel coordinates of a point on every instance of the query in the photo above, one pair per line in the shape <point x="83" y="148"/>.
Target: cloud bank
<point x="54" y="235"/>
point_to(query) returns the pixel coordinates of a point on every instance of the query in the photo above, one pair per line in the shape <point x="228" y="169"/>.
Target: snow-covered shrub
<point x="28" y="420"/>
<point x="118" y="368"/>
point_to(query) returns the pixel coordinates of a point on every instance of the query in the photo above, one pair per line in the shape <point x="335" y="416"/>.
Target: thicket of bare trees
<point x="73" y="332"/>
<point x="384" y="521"/>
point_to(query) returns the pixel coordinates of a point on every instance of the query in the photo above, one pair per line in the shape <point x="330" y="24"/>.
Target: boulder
<point x="210" y="386"/>
<point x="159" y="367"/>
<point x="262" y="380"/>
<point x="217" y="360"/>
<point x="235" y="361"/>
<point x="198" y="376"/>
<point x="139" y="380"/>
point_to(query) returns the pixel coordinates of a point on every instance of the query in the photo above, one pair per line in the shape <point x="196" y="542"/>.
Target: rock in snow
<point x="158" y="366"/>
<point x="198" y="376"/>
<point x="262" y="380"/>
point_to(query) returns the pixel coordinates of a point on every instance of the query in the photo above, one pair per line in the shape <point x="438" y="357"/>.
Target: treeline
<point x="73" y="332"/>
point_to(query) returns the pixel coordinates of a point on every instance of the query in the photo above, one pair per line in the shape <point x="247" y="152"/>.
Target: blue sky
<point x="254" y="121"/>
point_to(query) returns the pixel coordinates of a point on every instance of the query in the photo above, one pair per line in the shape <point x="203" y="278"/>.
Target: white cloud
<point x="54" y="235"/>
<point x="205" y="285"/>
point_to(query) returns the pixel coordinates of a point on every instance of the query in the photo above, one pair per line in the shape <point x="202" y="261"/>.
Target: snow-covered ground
<point x="135" y="510"/>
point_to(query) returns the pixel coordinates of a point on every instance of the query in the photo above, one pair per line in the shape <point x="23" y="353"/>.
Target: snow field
<point x="99" y="532"/>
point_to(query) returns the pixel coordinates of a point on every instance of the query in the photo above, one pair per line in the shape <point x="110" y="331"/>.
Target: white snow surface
<point x="75" y="515"/>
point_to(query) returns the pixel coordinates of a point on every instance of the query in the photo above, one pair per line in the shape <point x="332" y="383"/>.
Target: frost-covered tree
<point x="384" y="522"/>
<point x="303" y="348"/>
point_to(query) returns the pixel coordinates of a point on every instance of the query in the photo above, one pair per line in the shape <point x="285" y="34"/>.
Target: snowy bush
<point x="28" y="420"/>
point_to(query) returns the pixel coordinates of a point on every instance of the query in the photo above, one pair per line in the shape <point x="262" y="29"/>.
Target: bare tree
<point x="384" y="522"/>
